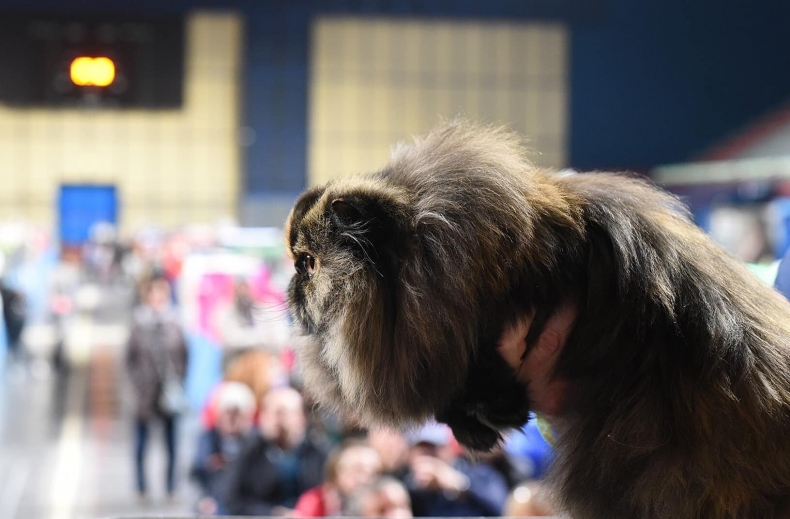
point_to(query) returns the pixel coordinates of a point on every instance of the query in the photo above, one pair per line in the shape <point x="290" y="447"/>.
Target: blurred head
<point x="391" y="446"/>
<point x="235" y="408"/>
<point x="432" y="439"/>
<point x="386" y="497"/>
<point x="242" y="291"/>
<point x="258" y="369"/>
<point x="282" y="417"/>
<point x="357" y="464"/>
<point x="156" y="293"/>
<point x="529" y="499"/>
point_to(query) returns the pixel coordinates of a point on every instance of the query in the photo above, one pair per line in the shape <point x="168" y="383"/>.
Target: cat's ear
<point x="370" y="211"/>
<point x="346" y="210"/>
<point x="373" y="221"/>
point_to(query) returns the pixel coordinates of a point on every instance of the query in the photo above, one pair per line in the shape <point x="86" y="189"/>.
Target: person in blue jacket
<point x="782" y="282"/>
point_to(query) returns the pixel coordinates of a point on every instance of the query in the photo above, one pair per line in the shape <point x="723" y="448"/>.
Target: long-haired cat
<point x="677" y="362"/>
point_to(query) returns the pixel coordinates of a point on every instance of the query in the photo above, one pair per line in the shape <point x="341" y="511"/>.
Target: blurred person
<point x="133" y="259"/>
<point x="529" y="453"/>
<point x="782" y="281"/>
<point x="393" y="450"/>
<point x="14" y="316"/>
<point x="99" y="253"/>
<point x="444" y="485"/>
<point x="156" y="360"/>
<point x="741" y="231"/>
<point x="244" y="326"/>
<point x="64" y="284"/>
<point x="386" y="497"/>
<point x="529" y="499"/>
<point x="175" y="248"/>
<point x="500" y="461"/>
<point x="259" y="369"/>
<point x="219" y="446"/>
<point x="280" y="463"/>
<point x="350" y="466"/>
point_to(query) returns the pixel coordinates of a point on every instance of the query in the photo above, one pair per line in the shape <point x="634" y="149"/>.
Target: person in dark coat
<point x="280" y="463"/>
<point x="14" y="314"/>
<point x="219" y="446"/>
<point x="156" y="359"/>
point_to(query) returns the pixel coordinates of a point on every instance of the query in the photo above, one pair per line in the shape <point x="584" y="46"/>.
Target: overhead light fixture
<point x="92" y="71"/>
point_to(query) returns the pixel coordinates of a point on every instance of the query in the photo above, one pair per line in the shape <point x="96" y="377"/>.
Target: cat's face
<point x="349" y="241"/>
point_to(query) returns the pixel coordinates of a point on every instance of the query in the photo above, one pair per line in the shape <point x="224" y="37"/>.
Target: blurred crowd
<point x="206" y="337"/>
<point x="198" y="323"/>
<point x="273" y="460"/>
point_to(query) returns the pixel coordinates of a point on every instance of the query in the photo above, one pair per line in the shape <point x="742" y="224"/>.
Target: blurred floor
<point x="66" y="443"/>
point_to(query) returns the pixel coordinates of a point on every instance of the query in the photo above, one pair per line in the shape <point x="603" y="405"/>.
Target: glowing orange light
<point x="87" y="71"/>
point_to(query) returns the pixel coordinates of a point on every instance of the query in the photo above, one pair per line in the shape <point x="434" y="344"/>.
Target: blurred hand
<point x="546" y="395"/>
<point x="435" y="474"/>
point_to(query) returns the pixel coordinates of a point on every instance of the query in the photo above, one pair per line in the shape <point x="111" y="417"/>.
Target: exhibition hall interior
<point x="151" y="152"/>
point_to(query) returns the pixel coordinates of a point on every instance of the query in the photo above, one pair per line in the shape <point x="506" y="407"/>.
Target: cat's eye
<point x="306" y="264"/>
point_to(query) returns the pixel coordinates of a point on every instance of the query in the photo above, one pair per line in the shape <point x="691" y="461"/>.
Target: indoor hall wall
<point x="374" y="82"/>
<point x="171" y="167"/>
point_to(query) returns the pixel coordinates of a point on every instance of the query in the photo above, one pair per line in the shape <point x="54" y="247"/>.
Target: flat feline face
<point x="343" y="239"/>
<point x="324" y="268"/>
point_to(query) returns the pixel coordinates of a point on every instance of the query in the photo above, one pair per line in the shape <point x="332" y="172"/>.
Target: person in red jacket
<point x="350" y="466"/>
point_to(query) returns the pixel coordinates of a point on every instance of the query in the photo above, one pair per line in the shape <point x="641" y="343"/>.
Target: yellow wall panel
<point x="503" y="59"/>
<point x="554" y="111"/>
<point x="380" y="51"/>
<point x="444" y="47"/>
<point x="8" y="163"/>
<point x="170" y="165"/>
<point x="377" y="81"/>
<point x="554" y="44"/>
